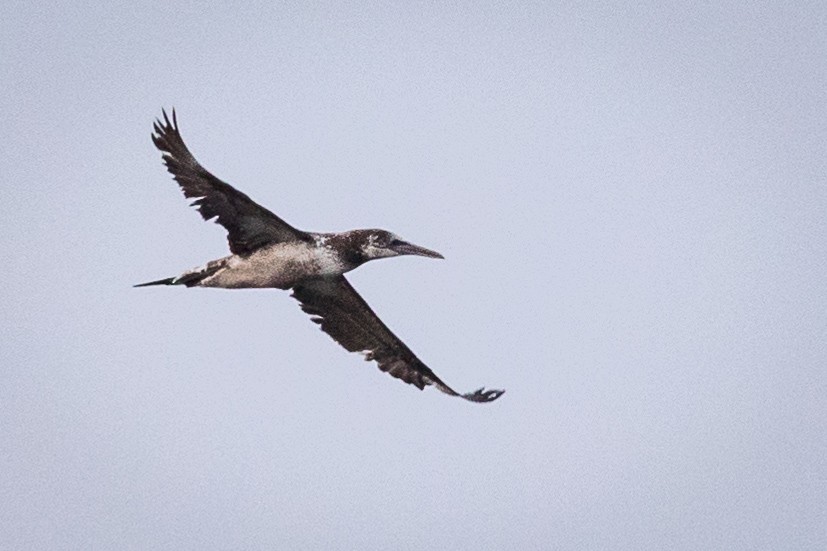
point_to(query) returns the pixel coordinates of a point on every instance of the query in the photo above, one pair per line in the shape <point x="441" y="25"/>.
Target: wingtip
<point x="165" y="134"/>
<point x="482" y="396"/>
<point x="168" y="123"/>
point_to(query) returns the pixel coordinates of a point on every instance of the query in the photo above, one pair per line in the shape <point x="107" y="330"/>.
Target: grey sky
<point x="632" y="206"/>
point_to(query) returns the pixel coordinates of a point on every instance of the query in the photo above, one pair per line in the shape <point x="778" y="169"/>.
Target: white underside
<point x="280" y="266"/>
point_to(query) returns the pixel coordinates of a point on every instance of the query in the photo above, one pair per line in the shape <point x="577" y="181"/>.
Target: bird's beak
<point x="409" y="248"/>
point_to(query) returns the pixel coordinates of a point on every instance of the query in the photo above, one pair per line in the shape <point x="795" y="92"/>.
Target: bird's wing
<point x="248" y="225"/>
<point x="344" y="315"/>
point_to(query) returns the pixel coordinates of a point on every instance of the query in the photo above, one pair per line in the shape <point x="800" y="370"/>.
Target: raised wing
<point x="248" y="225"/>
<point x="344" y="315"/>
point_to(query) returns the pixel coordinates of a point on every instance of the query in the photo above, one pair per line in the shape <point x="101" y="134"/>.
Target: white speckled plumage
<point x="279" y="266"/>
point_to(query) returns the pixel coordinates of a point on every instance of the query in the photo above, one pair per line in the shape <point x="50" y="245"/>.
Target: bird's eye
<point x="394" y="242"/>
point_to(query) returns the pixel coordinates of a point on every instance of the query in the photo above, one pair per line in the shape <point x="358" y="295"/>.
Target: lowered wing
<point x="344" y="315"/>
<point x="248" y="225"/>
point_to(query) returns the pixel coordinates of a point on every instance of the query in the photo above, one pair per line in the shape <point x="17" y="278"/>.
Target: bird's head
<point x="373" y="244"/>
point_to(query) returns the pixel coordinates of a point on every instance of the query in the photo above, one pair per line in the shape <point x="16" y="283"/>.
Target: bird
<point x="267" y="252"/>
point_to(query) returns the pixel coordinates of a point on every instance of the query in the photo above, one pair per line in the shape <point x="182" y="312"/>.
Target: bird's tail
<point x="167" y="281"/>
<point x="192" y="277"/>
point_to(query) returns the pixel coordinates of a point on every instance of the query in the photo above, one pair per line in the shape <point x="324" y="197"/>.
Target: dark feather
<point x="249" y="225"/>
<point x="344" y="315"/>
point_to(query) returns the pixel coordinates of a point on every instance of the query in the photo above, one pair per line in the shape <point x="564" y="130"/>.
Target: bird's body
<point x="278" y="266"/>
<point x="269" y="253"/>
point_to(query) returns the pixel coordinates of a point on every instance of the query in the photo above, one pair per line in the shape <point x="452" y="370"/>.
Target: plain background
<point x="631" y="201"/>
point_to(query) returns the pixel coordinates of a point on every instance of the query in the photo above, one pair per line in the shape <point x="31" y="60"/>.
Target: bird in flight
<point x="267" y="252"/>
